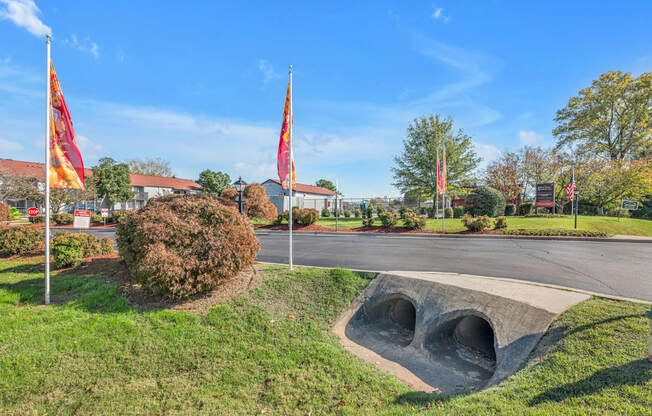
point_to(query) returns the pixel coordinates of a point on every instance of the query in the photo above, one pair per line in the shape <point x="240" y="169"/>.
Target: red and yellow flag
<point x="66" y="164"/>
<point x="283" y="157"/>
<point x="443" y="174"/>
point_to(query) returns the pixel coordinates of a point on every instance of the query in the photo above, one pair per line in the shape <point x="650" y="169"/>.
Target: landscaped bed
<point x="97" y="350"/>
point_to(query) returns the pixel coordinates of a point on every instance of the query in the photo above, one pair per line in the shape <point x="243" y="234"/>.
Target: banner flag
<point x="66" y="164"/>
<point x="443" y="173"/>
<point x="283" y="157"/>
<point x="438" y="174"/>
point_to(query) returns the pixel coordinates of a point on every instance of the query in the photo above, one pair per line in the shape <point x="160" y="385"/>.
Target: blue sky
<point x="202" y="83"/>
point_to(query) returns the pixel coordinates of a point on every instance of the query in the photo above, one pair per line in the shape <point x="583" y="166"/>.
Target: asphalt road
<point x="613" y="268"/>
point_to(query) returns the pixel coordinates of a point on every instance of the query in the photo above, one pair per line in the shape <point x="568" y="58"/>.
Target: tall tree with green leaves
<point x="612" y="117"/>
<point x="325" y="183"/>
<point x="416" y="167"/>
<point x="213" y="183"/>
<point x="111" y="180"/>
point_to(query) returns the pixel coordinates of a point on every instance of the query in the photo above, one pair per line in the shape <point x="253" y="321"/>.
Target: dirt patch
<point x="113" y="268"/>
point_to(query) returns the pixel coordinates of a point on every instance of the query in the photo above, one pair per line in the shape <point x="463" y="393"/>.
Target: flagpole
<point x="290" y="169"/>
<point x="443" y="192"/>
<point x="573" y="198"/>
<point x="47" y="171"/>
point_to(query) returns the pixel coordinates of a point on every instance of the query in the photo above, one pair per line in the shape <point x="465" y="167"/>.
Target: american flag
<point x="571" y="188"/>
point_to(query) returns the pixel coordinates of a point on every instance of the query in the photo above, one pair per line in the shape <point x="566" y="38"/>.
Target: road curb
<point x="482" y="236"/>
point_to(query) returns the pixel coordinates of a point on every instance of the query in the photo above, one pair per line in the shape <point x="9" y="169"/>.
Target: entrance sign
<point x="33" y="212"/>
<point x="545" y="195"/>
<point x="104" y="212"/>
<point x="82" y="219"/>
<point x="629" y="205"/>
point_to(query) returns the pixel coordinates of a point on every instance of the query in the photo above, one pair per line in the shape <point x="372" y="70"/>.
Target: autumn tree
<point x="416" y="167"/>
<point x="154" y="167"/>
<point x="612" y="117"/>
<point x="258" y="204"/>
<point x="504" y="175"/>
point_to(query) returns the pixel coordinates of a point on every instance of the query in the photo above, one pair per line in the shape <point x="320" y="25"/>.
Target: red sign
<point x="33" y="212"/>
<point x="81" y="213"/>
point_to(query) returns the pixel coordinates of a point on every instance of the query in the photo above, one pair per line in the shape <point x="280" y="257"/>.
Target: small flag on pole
<point x="570" y="189"/>
<point x="443" y="173"/>
<point x="439" y="184"/>
<point x="66" y="164"/>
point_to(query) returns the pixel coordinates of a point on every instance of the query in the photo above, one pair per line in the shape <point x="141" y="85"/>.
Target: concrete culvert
<point x="393" y="320"/>
<point x="466" y="344"/>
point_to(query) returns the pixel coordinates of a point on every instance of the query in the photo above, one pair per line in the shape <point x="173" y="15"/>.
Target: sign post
<point x="105" y="214"/>
<point x="545" y="196"/>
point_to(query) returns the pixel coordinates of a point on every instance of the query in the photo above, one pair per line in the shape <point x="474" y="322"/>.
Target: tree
<point x="111" y="180"/>
<point x="213" y="183"/>
<point x="504" y="175"/>
<point x="154" y="167"/>
<point x="325" y="183"/>
<point x="612" y="117"/>
<point x="415" y="168"/>
<point x="258" y="204"/>
<point x="14" y="186"/>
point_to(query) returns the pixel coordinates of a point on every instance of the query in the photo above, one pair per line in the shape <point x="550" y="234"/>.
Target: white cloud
<point x="89" y="148"/>
<point x="268" y="71"/>
<point x="24" y="13"/>
<point x="86" y="45"/>
<point x="438" y="14"/>
<point x="487" y="152"/>
<point x="529" y="138"/>
<point x="6" y="146"/>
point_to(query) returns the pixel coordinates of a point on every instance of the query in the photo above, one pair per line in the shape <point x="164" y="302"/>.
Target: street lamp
<point x="240" y="187"/>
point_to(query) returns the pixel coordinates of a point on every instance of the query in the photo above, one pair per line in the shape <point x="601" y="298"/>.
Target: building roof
<point x="309" y="189"/>
<point x="37" y="170"/>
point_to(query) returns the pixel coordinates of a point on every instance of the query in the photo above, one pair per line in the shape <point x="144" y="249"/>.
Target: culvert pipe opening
<point x="393" y="320"/>
<point x="465" y="343"/>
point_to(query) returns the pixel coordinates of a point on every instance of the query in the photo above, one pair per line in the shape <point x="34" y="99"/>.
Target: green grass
<point x="609" y="225"/>
<point x="92" y="353"/>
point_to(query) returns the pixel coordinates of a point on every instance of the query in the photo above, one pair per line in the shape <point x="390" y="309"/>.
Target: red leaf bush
<point x="258" y="204"/>
<point x="179" y="245"/>
<point x="5" y="212"/>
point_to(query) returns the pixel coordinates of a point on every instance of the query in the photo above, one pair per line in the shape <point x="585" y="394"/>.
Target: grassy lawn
<point x="272" y="352"/>
<point x="610" y="225"/>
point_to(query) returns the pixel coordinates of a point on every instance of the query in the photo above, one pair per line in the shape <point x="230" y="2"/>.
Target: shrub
<point x="117" y="216"/>
<point x="484" y="200"/>
<point x="62" y="219"/>
<point x="476" y="224"/>
<point x="20" y="239"/>
<point x="458" y="211"/>
<point x="325" y="213"/>
<point x="413" y="221"/>
<point x="402" y="212"/>
<point x="379" y="210"/>
<point x="347" y="213"/>
<point x="368" y="222"/>
<point x="70" y="249"/>
<point x="179" y="245"/>
<point x="14" y="213"/>
<point x="369" y="211"/>
<point x="357" y="213"/>
<point x="510" y="209"/>
<point x="97" y="219"/>
<point x="305" y="216"/>
<point x="5" y="212"/>
<point x="388" y="219"/>
<point x="448" y="212"/>
<point x="229" y="193"/>
<point x="526" y="208"/>
<point x="37" y="220"/>
<point x="500" y="223"/>
<point x="258" y="204"/>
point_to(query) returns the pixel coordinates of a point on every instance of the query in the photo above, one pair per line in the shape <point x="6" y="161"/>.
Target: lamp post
<point x="240" y="187"/>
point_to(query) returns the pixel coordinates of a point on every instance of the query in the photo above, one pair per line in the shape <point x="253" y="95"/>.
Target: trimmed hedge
<point x="97" y="219"/>
<point x="500" y="223"/>
<point x="357" y="213"/>
<point x="510" y="209"/>
<point x="347" y="213"/>
<point x="117" y="216"/>
<point x="476" y="224"/>
<point x="413" y="221"/>
<point x="5" y="212"/>
<point x="62" y="219"/>
<point x="485" y="200"/>
<point x="305" y="216"/>
<point x="458" y="211"/>
<point x="556" y="232"/>
<point x="179" y="245"/>
<point x="70" y="249"/>
<point x="387" y="219"/>
<point x="20" y="239"/>
<point x="526" y="208"/>
<point x="37" y="219"/>
<point x="324" y="213"/>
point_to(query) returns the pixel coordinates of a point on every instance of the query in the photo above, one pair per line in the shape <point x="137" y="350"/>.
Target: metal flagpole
<point x="290" y="169"/>
<point x="443" y="191"/>
<point x="337" y="207"/>
<point x="573" y="198"/>
<point x="47" y="171"/>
